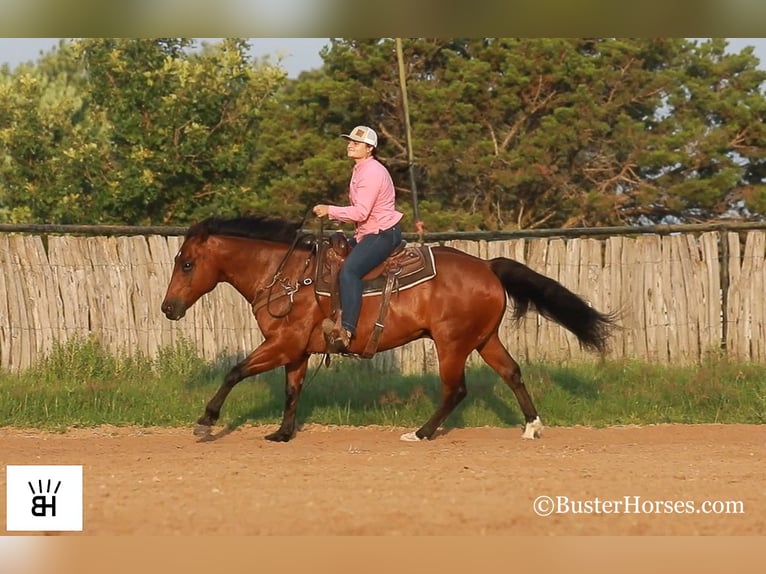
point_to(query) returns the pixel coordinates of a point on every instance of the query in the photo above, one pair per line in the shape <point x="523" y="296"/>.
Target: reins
<point x="291" y="289"/>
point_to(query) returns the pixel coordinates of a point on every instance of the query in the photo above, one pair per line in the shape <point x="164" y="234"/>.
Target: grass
<point x="80" y="384"/>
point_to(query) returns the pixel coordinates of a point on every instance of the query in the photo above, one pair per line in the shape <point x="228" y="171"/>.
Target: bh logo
<point x="40" y="503"/>
<point x="44" y="498"/>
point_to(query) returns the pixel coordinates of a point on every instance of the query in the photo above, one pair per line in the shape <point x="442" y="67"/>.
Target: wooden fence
<point x="680" y="296"/>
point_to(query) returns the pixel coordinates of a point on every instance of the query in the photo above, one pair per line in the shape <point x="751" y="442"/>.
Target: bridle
<point x="288" y="286"/>
<point x="289" y="289"/>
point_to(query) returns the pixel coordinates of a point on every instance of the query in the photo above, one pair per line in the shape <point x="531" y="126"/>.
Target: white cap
<point x="363" y="134"/>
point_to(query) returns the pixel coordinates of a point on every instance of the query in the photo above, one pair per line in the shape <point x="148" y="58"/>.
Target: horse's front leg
<point x="294" y="375"/>
<point x="267" y="356"/>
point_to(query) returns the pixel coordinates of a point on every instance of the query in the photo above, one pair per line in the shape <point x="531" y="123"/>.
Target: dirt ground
<point x="365" y="481"/>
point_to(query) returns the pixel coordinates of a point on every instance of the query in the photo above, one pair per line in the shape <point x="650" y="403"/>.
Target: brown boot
<point x="332" y="331"/>
<point x="340" y="340"/>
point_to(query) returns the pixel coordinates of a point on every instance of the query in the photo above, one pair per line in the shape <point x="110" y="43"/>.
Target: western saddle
<point x="405" y="268"/>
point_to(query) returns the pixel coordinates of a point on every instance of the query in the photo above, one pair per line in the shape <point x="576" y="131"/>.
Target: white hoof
<point x="410" y="437"/>
<point x="533" y="429"/>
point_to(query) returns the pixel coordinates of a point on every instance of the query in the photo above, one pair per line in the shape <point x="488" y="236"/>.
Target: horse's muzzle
<point x="174" y="310"/>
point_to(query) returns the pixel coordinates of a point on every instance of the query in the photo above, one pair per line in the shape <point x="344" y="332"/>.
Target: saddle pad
<point x="417" y="266"/>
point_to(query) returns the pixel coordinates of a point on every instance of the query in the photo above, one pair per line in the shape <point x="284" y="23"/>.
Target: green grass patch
<point x="80" y="384"/>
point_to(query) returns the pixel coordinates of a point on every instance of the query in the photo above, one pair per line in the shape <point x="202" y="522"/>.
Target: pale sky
<point x="298" y="54"/>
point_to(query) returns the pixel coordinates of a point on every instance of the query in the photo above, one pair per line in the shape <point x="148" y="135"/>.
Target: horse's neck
<point x="252" y="264"/>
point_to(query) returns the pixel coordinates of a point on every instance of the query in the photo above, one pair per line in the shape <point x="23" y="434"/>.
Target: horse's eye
<point x="187" y="266"/>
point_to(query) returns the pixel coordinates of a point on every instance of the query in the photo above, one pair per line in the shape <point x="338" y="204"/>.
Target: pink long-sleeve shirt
<point x="372" y="198"/>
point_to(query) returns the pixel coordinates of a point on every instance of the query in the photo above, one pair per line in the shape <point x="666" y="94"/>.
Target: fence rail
<point x="680" y="295"/>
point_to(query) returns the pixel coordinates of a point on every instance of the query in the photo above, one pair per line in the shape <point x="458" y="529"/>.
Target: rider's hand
<point x="321" y="210"/>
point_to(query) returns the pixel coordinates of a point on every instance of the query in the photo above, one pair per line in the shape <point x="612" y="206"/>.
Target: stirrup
<point x="343" y="339"/>
<point x="340" y="340"/>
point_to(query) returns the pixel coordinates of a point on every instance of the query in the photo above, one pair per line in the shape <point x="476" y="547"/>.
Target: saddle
<point x="405" y="268"/>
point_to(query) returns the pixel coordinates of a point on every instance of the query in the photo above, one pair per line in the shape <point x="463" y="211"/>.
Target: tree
<point x="508" y="133"/>
<point x="51" y="150"/>
<point x="713" y="159"/>
<point x="183" y="125"/>
<point x="520" y="133"/>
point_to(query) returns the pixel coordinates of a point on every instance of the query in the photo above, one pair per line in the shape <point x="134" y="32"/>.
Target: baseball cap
<point x="363" y="134"/>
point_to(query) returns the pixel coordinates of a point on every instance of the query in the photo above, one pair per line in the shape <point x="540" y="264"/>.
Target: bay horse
<point x="271" y="264"/>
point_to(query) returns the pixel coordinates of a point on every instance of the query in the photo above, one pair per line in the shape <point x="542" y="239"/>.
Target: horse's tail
<point x="553" y="301"/>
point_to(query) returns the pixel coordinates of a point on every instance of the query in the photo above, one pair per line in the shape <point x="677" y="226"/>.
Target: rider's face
<point x="358" y="150"/>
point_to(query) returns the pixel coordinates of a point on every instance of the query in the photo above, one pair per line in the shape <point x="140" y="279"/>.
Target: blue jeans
<point x="370" y="252"/>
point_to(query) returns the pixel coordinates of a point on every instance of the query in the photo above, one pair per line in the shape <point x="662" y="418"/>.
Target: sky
<point x="297" y="54"/>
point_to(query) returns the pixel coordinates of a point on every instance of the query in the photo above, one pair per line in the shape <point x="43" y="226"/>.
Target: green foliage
<point x="183" y="124"/>
<point x="520" y="133"/>
<point x="132" y="131"/>
<point x="86" y="361"/>
<point x="50" y="146"/>
<point x="507" y="133"/>
<point x="80" y="384"/>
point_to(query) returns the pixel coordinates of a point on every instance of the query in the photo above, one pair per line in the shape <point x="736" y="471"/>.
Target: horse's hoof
<point x="410" y="437"/>
<point x="278" y="437"/>
<point x="202" y="431"/>
<point x="533" y="429"/>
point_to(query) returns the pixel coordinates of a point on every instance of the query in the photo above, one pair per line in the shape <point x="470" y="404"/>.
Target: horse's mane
<point x="250" y="226"/>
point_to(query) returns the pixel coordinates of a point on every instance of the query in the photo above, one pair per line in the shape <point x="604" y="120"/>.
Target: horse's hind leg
<point x="452" y="373"/>
<point x="497" y="357"/>
<point x="294" y="374"/>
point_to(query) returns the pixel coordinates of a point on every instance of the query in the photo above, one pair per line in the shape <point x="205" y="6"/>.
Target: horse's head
<point x="216" y="250"/>
<point x="194" y="274"/>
